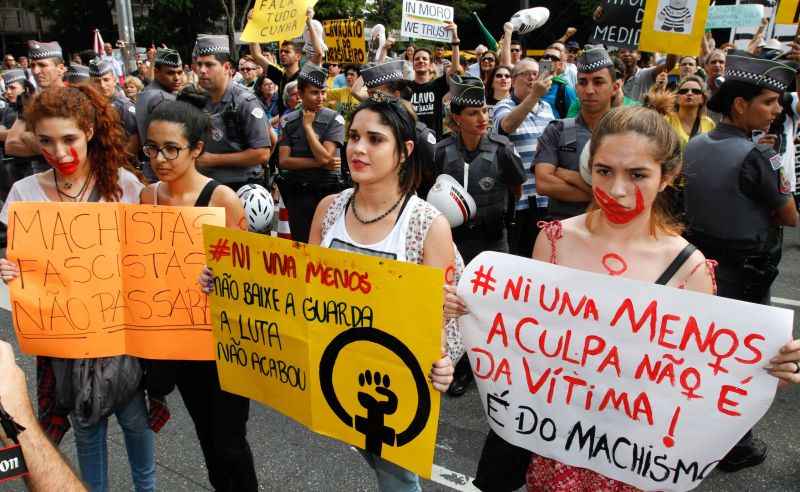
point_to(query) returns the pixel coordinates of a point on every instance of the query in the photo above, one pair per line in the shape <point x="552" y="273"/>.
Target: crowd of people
<point x="684" y="165"/>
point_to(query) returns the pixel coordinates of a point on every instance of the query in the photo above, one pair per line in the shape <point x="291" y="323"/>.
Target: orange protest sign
<point x="106" y="279"/>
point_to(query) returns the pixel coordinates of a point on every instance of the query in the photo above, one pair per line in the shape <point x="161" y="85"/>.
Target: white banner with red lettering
<point x="646" y="384"/>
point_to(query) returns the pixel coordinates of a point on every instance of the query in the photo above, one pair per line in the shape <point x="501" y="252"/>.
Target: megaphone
<point x="583" y="163"/>
<point x="452" y="200"/>
<point x="308" y="48"/>
<point x="527" y="20"/>
<point x="377" y="40"/>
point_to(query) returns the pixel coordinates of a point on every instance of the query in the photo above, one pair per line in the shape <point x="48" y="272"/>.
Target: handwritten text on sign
<point x="614" y="375"/>
<point x="620" y="24"/>
<point x="318" y="335"/>
<point x="107" y="279"/>
<point x="424" y="20"/>
<point x="345" y="40"/>
<point x="276" y="20"/>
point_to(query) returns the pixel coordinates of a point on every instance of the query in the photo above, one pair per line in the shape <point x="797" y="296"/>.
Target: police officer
<point x="167" y="81"/>
<point x="102" y="76"/>
<point x="14" y="81"/>
<point x="387" y="78"/>
<point x="556" y="163"/>
<point x="77" y="75"/>
<point x="309" y="152"/>
<point x="47" y="65"/>
<point x="492" y="174"/>
<point x="733" y="198"/>
<point x="238" y="145"/>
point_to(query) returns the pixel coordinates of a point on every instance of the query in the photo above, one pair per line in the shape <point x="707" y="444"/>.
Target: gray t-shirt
<point x="640" y="82"/>
<point x="329" y="127"/>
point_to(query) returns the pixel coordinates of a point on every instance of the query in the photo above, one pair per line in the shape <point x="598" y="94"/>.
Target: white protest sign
<point x="726" y="16"/>
<point x="425" y="20"/>
<point x="618" y="376"/>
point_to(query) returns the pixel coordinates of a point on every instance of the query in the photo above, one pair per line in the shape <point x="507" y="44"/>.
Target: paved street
<point x="290" y="458"/>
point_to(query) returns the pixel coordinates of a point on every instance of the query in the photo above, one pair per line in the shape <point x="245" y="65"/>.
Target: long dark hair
<point x="92" y="112"/>
<point x="396" y="116"/>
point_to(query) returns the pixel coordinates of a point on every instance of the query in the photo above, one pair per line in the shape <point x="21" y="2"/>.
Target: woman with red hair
<point x="79" y="135"/>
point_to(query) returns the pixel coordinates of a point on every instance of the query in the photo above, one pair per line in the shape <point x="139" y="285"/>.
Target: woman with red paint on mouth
<point x="81" y="139"/>
<point x="628" y="232"/>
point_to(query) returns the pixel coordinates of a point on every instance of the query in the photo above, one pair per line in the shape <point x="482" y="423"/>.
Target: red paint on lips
<point x="358" y="165"/>
<point x="615" y="212"/>
<point x="65" y="168"/>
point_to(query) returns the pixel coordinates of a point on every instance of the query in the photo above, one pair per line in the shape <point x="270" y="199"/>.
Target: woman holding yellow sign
<point x="381" y="216"/>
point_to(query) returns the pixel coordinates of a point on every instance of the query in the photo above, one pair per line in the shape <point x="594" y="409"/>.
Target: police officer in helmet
<point x="733" y="197"/>
<point x="492" y="174"/>
<point x="238" y="146"/>
<point x="309" y="152"/>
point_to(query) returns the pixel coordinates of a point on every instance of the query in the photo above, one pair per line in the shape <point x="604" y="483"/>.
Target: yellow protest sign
<point x="340" y="342"/>
<point x="276" y="20"/>
<point x="788" y="12"/>
<point x="674" y="26"/>
<point x="345" y="41"/>
<point x="105" y="279"/>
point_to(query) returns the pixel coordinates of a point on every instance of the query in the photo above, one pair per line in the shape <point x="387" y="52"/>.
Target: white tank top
<point x="393" y="246"/>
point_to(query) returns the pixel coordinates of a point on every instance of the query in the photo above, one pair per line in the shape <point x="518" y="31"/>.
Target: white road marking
<point x="785" y="302"/>
<point x="451" y="479"/>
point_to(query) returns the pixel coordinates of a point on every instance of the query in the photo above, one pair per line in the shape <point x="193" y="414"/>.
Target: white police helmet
<point x="452" y="200"/>
<point x="259" y="207"/>
<point x="527" y="20"/>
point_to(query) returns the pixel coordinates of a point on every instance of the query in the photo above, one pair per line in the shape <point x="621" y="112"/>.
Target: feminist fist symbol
<point x="372" y="425"/>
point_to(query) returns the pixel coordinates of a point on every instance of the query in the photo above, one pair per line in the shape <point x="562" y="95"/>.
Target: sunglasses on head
<point x="687" y="91"/>
<point x="551" y="57"/>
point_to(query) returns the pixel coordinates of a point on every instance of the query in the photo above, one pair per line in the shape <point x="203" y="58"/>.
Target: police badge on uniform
<point x="486" y="183"/>
<point x="257" y="113"/>
<point x="216" y="134"/>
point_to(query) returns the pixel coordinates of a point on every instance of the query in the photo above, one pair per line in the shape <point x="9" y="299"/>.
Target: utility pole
<point x="126" y="33"/>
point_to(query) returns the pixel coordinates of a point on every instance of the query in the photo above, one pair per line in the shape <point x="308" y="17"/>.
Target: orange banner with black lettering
<point x="106" y="279"/>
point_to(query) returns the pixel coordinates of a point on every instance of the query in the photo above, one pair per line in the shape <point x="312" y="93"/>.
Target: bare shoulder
<point x="696" y="273"/>
<point x="148" y="194"/>
<point x="224" y="196"/>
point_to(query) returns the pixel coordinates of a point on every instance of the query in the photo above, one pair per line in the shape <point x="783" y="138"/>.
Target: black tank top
<point x="676" y="264"/>
<point x="205" y="194"/>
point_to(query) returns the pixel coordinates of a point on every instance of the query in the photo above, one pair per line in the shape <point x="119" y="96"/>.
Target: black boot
<point x="749" y="451"/>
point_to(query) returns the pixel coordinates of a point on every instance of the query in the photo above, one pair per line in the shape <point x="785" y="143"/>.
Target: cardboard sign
<point x="106" y="279"/>
<point x="276" y="20"/>
<point x="674" y="26"/>
<point x="620" y="24"/>
<point x="788" y="12"/>
<point x="345" y="41"/>
<point x="727" y="16"/>
<point x="325" y="337"/>
<point x="425" y="20"/>
<point x="646" y="384"/>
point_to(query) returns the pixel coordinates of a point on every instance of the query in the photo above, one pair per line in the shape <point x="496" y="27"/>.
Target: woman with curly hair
<point x="81" y="139"/>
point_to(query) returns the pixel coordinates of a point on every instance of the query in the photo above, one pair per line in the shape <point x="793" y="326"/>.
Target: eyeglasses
<point x="170" y="152"/>
<point x="683" y="92"/>
<point x="516" y="50"/>
<point x="551" y="57"/>
<point x="488" y="59"/>
<point x="531" y="74"/>
<point x="502" y="75"/>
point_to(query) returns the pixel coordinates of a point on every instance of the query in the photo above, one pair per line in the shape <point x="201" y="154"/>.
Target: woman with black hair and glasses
<point x="175" y="140"/>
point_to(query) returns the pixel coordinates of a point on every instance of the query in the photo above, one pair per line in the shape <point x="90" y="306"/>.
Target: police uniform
<point x="78" y="74"/>
<point x="563" y="140"/>
<point x="303" y="189"/>
<point x="492" y="171"/>
<point x="732" y="189"/>
<point x="125" y="108"/>
<point x="378" y="77"/>
<point x="238" y="123"/>
<point x="153" y="95"/>
<point x="10" y="171"/>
